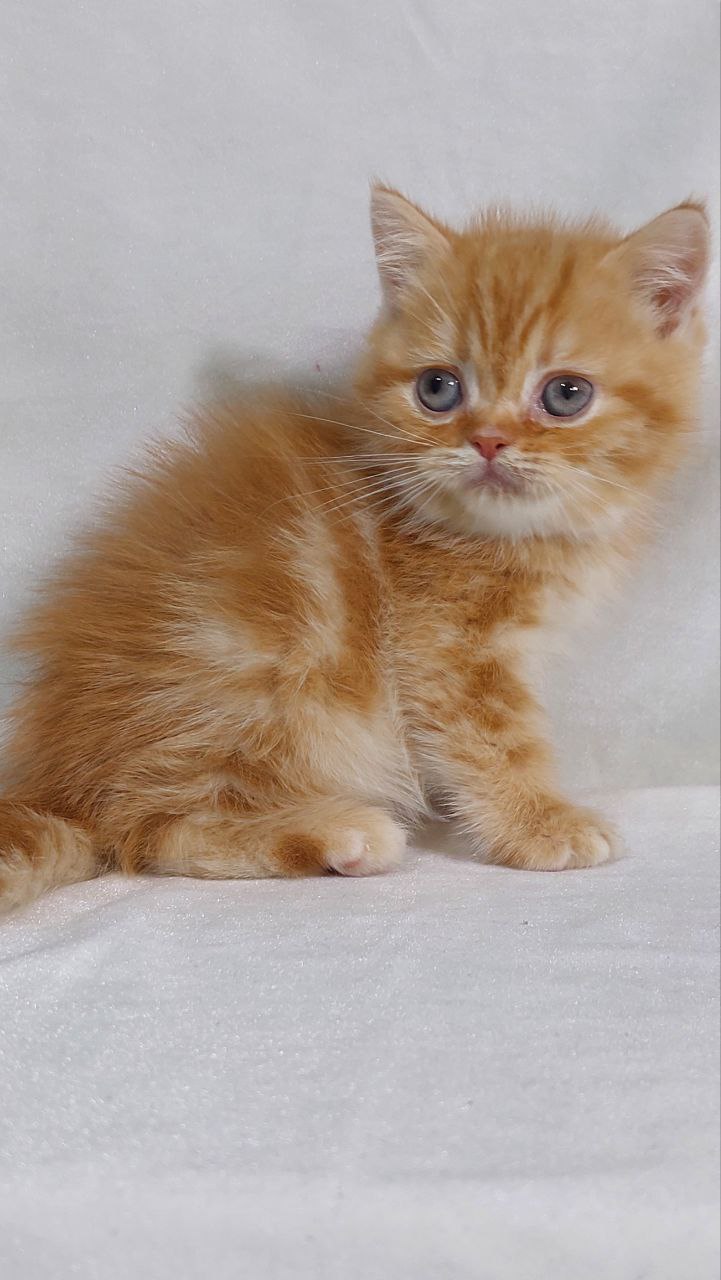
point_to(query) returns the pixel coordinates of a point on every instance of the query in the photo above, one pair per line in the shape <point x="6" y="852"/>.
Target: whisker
<point x="399" y="431"/>
<point x="577" y="486"/>
<point x="375" y="485"/>
<point x="351" y="481"/>
<point x="398" y="496"/>
<point x="355" y="426"/>
<point x="332" y="508"/>
<point x="308" y="493"/>
<point x="409" y="495"/>
<point x="360" y="458"/>
<point x="592" y="475"/>
<point x="366" y="408"/>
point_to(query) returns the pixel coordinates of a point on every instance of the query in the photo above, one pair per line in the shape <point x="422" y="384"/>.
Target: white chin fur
<point x="513" y="516"/>
<point x="499" y="515"/>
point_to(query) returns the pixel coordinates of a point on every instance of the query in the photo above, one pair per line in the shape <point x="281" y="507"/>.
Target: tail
<point x="39" y="852"/>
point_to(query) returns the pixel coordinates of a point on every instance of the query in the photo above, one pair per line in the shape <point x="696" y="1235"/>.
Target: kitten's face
<point x="528" y="379"/>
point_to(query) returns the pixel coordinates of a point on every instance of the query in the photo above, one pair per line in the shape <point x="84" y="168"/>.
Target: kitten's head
<point x="526" y="377"/>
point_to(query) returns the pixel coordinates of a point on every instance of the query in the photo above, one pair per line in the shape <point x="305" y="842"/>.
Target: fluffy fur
<point x="303" y="627"/>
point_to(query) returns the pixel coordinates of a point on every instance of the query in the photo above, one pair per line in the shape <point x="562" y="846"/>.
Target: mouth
<point x="494" y="478"/>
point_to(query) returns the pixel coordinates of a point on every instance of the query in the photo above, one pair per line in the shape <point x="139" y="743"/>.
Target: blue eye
<point x="439" y="390"/>
<point x="567" y="395"/>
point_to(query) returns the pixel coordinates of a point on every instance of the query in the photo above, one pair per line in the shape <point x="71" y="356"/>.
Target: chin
<point x="513" y="516"/>
<point x="487" y="512"/>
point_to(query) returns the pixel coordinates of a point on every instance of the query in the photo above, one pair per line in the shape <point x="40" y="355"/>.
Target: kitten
<point x="300" y="629"/>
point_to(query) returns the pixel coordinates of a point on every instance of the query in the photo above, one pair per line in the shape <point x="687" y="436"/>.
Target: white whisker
<point x="366" y="408"/>
<point x="375" y="485"/>
<point x="592" y="475"/>
<point x="355" y="426"/>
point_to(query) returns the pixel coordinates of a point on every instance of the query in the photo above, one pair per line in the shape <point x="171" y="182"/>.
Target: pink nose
<point x="489" y="446"/>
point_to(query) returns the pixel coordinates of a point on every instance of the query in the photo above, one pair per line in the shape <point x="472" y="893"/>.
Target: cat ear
<point x="404" y="238"/>
<point x="667" y="260"/>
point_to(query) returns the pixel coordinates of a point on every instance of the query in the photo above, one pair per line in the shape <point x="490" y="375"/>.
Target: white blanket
<point x="455" y="1072"/>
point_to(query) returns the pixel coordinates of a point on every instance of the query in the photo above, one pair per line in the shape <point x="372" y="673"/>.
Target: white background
<point x="184" y="203"/>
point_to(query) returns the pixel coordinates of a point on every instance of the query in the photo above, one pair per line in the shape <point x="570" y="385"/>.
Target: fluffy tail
<point x="38" y="852"/>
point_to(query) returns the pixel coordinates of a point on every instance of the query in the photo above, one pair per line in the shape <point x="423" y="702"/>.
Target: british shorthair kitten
<point x="301" y="629"/>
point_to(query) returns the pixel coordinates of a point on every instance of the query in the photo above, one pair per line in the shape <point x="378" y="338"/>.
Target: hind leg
<point x="342" y="836"/>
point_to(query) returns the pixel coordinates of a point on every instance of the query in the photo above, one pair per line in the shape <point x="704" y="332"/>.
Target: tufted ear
<point x="404" y="239"/>
<point x="667" y="260"/>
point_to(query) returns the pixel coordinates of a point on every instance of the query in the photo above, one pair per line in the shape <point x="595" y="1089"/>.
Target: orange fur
<point x="302" y="626"/>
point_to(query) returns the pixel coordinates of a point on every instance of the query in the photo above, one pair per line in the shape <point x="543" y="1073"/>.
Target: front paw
<point x="558" y="837"/>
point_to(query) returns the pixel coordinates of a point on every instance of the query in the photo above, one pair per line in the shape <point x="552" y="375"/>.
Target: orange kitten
<point x="294" y="635"/>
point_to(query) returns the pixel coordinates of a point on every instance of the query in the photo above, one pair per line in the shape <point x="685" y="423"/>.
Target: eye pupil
<point x="439" y="390"/>
<point x="566" y="397"/>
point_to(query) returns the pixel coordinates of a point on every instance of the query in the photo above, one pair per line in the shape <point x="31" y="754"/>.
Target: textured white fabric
<point x="454" y="1072"/>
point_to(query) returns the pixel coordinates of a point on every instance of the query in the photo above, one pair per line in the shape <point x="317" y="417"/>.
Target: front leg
<point x="481" y="746"/>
